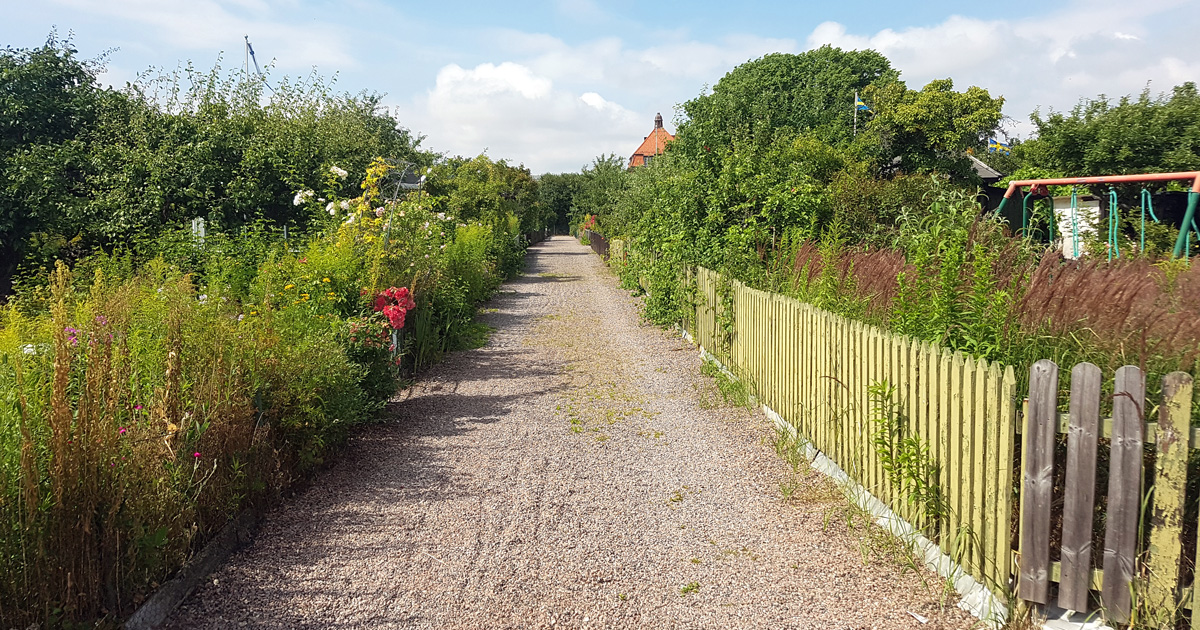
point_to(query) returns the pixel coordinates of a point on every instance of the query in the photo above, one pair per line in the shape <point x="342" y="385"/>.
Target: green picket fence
<point x="948" y="423"/>
<point x="875" y="402"/>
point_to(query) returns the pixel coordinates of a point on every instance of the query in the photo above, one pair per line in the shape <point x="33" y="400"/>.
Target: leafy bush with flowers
<point x="149" y="403"/>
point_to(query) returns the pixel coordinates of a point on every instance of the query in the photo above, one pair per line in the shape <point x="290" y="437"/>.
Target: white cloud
<point x="520" y="115"/>
<point x="555" y="106"/>
<point x="1043" y="62"/>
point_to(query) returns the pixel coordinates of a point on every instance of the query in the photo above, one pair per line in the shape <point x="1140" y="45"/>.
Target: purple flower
<point x="137" y="407"/>
<point x="196" y="454"/>
<point x="102" y="320"/>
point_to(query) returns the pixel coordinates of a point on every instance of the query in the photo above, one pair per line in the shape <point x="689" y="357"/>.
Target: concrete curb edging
<point x="236" y="534"/>
<point x="975" y="598"/>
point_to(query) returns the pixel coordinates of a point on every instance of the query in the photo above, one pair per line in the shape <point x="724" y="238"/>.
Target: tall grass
<point x="143" y="406"/>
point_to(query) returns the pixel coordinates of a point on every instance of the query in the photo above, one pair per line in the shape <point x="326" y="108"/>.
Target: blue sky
<point x="553" y="84"/>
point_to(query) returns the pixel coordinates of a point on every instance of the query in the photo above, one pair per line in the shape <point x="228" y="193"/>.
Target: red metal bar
<point x="1106" y="179"/>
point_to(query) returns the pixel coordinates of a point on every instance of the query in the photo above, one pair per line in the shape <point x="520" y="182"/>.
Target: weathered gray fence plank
<point x="1038" y="485"/>
<point x="1124" y="492"/>
<point x="1081" y="483"/>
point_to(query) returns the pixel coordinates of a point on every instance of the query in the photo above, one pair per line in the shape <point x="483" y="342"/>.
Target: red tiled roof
<point x="653" y="145"/>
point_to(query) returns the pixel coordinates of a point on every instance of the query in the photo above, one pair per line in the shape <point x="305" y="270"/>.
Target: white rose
<point x="331" y="208"/>
<point x="345" y="204"/>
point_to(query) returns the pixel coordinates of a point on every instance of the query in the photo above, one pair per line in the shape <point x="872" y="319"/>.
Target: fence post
<point x="1124" y="492"/>
<point x="1170" y="484"/>
<point x="1081" y="478"/>
<point x="1005" y="451"/>
<point x="1038" y="485"/>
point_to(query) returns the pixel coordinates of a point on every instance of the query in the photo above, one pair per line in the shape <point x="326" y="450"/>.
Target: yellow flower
<point x="304" y="296"/>
<point x="324" y="279"/>
<point x="254" y="312"/>
<point x="288" y="287"/>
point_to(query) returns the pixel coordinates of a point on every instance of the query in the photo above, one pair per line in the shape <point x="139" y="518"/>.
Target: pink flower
<point x="137" y="407"/>
<point x="196" y="454"/>
<point x="121" y="431"/>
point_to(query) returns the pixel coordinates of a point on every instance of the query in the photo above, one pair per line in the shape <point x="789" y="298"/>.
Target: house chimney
<point x="658" y="121"/>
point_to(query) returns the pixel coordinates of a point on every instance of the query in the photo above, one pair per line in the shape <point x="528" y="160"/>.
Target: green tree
<point x="1134" y="135"/>
<point x="601" y="185"/>
<point x="556" y="196"/>
<point x="481" y="188"/>
<point x="781" y="95"/>
<point x="930" y="130"/>
<point x="48" y="97"/>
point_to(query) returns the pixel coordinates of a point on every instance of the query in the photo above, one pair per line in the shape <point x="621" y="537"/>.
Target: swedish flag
<point x="995" y="145"/>
<point x="860" y="105"/>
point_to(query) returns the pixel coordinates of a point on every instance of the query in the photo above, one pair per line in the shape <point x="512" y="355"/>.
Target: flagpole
<point x="856" y="113"/>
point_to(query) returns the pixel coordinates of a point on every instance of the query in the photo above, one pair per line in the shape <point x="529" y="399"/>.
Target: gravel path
<point x="575" y="472"/>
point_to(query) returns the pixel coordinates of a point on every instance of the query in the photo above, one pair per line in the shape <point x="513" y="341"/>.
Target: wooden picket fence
<point x="815" y="369"/>
<point x="822" y="374"/>
<point x="1153" y="577"/>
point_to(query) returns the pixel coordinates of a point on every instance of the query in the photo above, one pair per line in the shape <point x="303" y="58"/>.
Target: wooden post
<point x="978" y="472"/>
<point x="1081" y="483"/>
<point x="1038" y="486"/>
<point x="1170" y="485"/>
<point x="945" y="366"/>
<point x="1007" y="452"/>
<point x="1124" y="492"/>
<point x="995" y="528"/>
<point x="957" y="511"/>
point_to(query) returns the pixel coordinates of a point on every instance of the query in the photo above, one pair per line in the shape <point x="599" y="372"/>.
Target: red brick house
<point x="653" y="145"/>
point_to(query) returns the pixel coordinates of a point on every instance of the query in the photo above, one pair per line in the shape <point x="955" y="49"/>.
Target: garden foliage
<point x="885" y="226"/>
<point x="155" y="380"/>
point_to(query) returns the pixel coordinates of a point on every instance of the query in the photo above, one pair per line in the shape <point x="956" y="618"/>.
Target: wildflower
<point x="303" y="296"/>
<point x="427" y="255"/>
<point x="101" y="320"/>
<point x="379" y="212"/>
<point x="72" y="335"/>
<point x="137" y="407"/>
<point x="196" y="454"/>
<point x="288" y="287"/>
<point x="345" y="204"/>
<point x="303" y="260"/>
<point x="253" y="313"/>
<point x="29" y="349"/>
<point x="203" y="298"/>
<point x="241" y="317"/>
<point x="442" y="216"/>
<point x="341" y="173"/>
<point x="443" y="246"/>
<point x="325" y="279"/>
<point x="331" y="208"/>
<point x="401" y="213"/>
<point x="350" y="219"/>
<point x="121" y="431"/>
<point x="302" y="196"/>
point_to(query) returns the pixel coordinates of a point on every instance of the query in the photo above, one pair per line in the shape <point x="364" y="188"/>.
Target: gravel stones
<point x="564" y="475"/>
